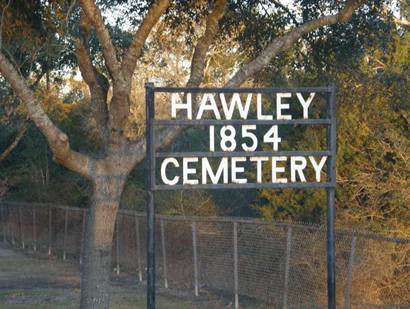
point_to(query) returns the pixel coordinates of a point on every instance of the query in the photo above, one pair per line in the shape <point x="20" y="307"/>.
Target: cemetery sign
<point x="243" y="148"/>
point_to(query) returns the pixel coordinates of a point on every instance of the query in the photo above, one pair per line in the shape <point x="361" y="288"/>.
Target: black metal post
<point x="235" y="265"/>
<point x="150" y="113"/>
<point x="331" y="175"/>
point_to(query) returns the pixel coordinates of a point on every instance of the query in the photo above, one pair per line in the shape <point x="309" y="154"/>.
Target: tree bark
<point x="96" y="268"/>
<point x="96" y="81"/>
<point x="57" y="139"/>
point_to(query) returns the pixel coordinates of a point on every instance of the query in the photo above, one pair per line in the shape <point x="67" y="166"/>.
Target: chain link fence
<point x="276" y="264"/>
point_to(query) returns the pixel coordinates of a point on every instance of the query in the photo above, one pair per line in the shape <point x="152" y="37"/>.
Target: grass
<point x="28" y="282"/>
<point x="67" y="299"/>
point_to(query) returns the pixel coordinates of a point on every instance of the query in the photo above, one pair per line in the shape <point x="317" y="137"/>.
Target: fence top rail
<point x="242" y="220"/>
<point x="226" y="219"/>
<point x="40" y="204"/>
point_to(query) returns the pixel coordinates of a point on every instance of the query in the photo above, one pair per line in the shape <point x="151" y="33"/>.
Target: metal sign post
<point x="150" y="114"/>
<point x="229" y="154"/>
<point x="331" y="177"/>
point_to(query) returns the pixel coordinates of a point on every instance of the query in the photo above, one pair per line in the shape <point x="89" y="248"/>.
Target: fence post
<point x="117" y="245"/>
<point x="350" y="274"/>
<point x="194" y="245"/>
<point x="82" y="236"/>
<point x="235" y="263"/>
<point x="13" y="228"/>
<point x="287" y="260"/>
<point x="138" y="244"/>
<point x="65" y="234"/>
<point x="21" y="228"/>
<point x="50" y="217"/>
<point x="164" y="254"/>
<point x="3" y="223"/>
<point x="34" y="229"/>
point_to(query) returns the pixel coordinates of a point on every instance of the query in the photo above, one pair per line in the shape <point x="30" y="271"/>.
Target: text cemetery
<point x="194" y="170"/>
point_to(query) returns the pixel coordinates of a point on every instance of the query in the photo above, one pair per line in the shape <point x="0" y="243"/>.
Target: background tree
<point x="373" y="130"/>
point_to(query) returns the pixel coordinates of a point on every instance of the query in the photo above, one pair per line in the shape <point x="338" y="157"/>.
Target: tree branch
<point x="120" y="103"/>
<point x="284" y="42"/>
<point x="57" y="139"/>
<point x="93" y="13"/>
<point x="346" y="13"/>
<point x="166" y="137"/>
<point x="202" y="46"/>
<point x="13" y="145"/>
<point x="24" y="126"/>
<point x="134" y="51"/>
<point x="97" y="82"/>
<point x="285" y="8"/>
<point x="38" y="79"/>
<point x="2" y="22"/>
<point x="402" y="22"/>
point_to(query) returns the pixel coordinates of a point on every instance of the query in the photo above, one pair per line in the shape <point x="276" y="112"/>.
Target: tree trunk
<point x="96" y="268"/>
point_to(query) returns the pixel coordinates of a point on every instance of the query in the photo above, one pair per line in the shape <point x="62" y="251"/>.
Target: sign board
<point x="242" y="140"/>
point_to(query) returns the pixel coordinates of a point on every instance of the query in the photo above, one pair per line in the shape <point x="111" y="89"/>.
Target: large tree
<point x="108" y="168"/>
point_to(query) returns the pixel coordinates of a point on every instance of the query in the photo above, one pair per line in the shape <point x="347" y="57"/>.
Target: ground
<point x="28" y="281"/>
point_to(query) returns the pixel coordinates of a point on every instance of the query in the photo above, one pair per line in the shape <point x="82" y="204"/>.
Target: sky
<point x="111" y="16"/>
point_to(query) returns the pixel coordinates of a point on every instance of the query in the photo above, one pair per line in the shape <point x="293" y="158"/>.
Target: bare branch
<point x="120" y="103"/>
<point x="397" y="20"/>
<point x="13" y="145"/>
<point x="21" y="133"/>
<point x="134" y="51"/>
<point x="93" y="13"/>
<point x="38" y="79"/>
<point x="284" y="42"/>
<point x="70" y="9"/>
<point x="2" y="22"/>
<point x="346" y="13"/>
<point x="285" y="8"/>
<point x="57" y="139"/>
<point x="402" y="22"/>
<point x="97" y="82"/>
<point x="82" y="51"/>
<point x="202" y="46"/>
<point x="165" y="137"/>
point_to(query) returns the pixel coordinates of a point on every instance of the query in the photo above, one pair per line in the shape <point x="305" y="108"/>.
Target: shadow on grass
<point x="35" y="282"/>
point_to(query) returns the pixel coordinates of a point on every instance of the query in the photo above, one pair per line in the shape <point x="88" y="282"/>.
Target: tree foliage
<point x="373" y="143"/>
